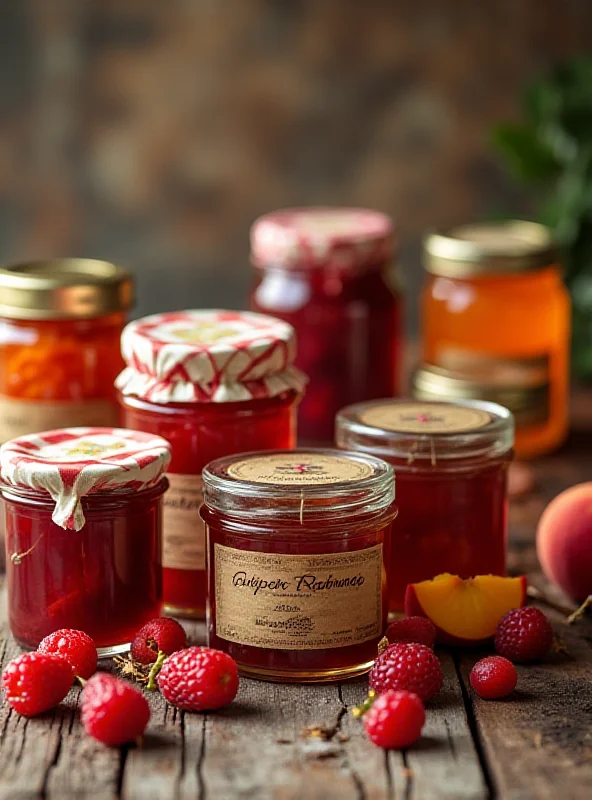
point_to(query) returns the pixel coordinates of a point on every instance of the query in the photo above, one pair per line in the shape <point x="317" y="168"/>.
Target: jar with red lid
<point x="451" y="462"/>
<point x="326" y="272"/>
<point x="212" y="383"/>
<point x="297" y="547"/>
<point x="83" y="515"/>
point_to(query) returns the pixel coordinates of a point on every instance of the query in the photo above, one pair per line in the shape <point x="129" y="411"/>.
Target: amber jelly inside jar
<point x="451" y="463"/>
<point x="298" y="542"/>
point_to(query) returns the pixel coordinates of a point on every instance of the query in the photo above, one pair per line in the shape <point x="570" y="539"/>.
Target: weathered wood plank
<point x="444" y="764"/>
<point x="538" y="743"/>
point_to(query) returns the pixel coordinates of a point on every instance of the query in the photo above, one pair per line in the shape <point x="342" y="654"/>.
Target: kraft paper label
<point x="21" y="417"/>
<point x="300" y="469"/>
<point x="290" y="602"/>
<point x="184" y="539"/>
<point x="425" y="418"/>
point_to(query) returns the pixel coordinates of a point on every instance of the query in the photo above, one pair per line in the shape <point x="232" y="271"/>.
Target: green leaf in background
<point x="551" y="150"/>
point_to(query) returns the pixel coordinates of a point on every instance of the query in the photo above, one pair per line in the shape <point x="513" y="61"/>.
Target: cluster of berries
<point x="407" y="674"/>
<point x="113" y="711"/>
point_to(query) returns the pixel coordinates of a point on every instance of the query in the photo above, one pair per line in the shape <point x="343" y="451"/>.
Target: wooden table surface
<point x="535" y="746"/>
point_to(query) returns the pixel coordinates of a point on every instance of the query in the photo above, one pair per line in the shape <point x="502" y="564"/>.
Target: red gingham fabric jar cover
<point x="208" y="356"/>
<point x="74" y="462"/>
<point x="350" y="239"/>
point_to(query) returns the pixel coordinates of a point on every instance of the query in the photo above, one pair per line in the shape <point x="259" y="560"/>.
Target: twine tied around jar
<point x="17" y="558"/>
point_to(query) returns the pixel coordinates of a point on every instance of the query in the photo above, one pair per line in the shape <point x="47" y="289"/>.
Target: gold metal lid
<point x="490" y="248"/>
<point x="527" y="400"/>
<point x="64" y="288"/>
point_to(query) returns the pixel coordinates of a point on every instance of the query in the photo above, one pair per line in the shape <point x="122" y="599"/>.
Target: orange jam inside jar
<point x="211" y="383"/>
<point x="82" y="508"/>
<point x="60" y="326"/>
<point x="327" y="271"/>
<point x="451" y="463"/>
<point x="496" y="326"/>
<point x="297" y="547"/>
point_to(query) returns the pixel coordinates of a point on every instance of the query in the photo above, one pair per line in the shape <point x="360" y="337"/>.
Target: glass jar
<point x="60" y="326"/>
<point x="212" y="383"/>
<point x="496" y="323"/>
<point x="83" y="515"/>
<point x="326" y="272"/>
<point x="297" y="547"/>
<point x="451" y="465"/>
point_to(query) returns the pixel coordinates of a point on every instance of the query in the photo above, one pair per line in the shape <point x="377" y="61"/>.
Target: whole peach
<point x="564" y="541"/>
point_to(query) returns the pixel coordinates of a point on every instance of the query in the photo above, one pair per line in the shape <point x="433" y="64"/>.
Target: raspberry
<point x="395" y="720"/>
<point x="112" y="711"/>
<point x="413" y="667"/>
<point x="417" y="630"/>
<point x="36" y="682"/>
<point x="493" y="677"/>
<point x="199" y="679"/>
<point x="524" y="634"/>
<point x="76" y="647"/>
<point x="162" y="635"/>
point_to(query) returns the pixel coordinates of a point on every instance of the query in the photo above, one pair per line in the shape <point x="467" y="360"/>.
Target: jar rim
<point x="64" y="288"/>
<point x="269" y="483"/>
<point x="475" y="429"/>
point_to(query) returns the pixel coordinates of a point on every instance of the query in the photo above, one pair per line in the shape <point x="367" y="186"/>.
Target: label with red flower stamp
<point x="300" y="468"/>
<point x="425" y="417"/>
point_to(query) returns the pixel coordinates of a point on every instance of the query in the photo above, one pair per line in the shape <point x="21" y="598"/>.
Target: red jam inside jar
<point x="297" y="547"/>
<point x="326" y="272"/>
<point x="105" y="577"/>
<point x="451" y="464"/>
<point x="209" y="425"/>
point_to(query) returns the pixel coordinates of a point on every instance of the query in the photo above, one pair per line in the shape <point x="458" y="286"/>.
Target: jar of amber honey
<point x="211" y="383"/>
<point x="82" y="511"/>
<point x="326" y="271"/>
<point x="60" y="325"/>
<point x="297" y="547"/>
<point x="496" y="326"/>
<point x="451" y="463"/>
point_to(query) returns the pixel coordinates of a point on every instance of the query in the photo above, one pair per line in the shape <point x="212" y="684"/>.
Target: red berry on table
<point x="112" y="711"/>
<point x="76" y="647"/>
<point x="164" y="635"/>
<point x="418" y="630"/>
<point x="395" y="720"/>
<point x="412" y="667"/>
<point x="524" y="634"/>
<point x="199" y="679"/>
<point x="493" y="677"/>
<point x="35" y="682"/>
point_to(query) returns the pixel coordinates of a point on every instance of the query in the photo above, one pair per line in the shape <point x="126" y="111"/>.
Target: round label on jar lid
<point x="300" y="469"/>
<point x="425" y="418"/>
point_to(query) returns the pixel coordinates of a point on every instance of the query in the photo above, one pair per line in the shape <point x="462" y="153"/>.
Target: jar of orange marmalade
<point x="297" y="547"/>
<point x="496" y="326"/>
<point x="60" y="325"/>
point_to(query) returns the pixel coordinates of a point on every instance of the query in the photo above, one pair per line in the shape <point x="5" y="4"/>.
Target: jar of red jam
<point x="297" y="547"/>
<point x="212" y="383"/>
<point x="326" y="271"/>
<point x="451" y="462"/>
<point x="82" y="510"/>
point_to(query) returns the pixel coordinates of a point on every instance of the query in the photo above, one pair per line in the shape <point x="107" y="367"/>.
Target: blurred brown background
<point x="152" y="132"/>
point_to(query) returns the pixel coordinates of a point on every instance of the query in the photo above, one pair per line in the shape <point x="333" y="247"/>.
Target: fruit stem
<point x="580" y="612"/>
<point x="359" y="711"/>
<point x="382" y="645"/>
<point x="156" y="667"/>
<point x="80" y="680"/>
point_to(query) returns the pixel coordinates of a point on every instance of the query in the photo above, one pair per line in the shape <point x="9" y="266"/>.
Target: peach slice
<point x="465" y="612"/>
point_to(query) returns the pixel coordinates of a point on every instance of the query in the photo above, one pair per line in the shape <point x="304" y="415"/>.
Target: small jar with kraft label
<point x="60" y="326"/>
<point x="83" y="515"/>
<point x="212" y="383"/>
<point x="451" y="463"/>
<point x="496" y="326"/>
<point x="297" y="547"/>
